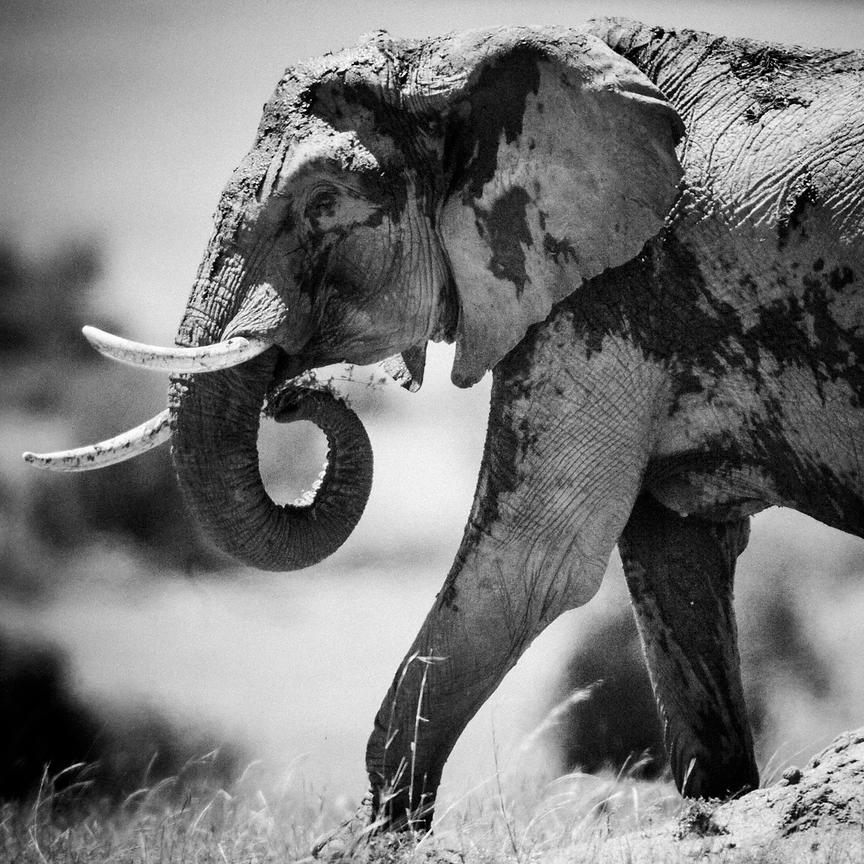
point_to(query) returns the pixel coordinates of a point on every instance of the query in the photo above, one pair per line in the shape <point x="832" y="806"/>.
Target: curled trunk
<point x="216" y="417"/>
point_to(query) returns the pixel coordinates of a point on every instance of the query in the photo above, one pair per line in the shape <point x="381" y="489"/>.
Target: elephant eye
<point x="321" y="202"/>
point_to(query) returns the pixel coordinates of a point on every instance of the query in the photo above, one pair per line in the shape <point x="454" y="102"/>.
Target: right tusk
<point x="406" y="369"/>
<point x="204" y="358"/>
<point x="136" y="441"/>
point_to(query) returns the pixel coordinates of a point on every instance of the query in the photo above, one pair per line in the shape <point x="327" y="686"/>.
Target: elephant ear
<point x="560" y="161"/>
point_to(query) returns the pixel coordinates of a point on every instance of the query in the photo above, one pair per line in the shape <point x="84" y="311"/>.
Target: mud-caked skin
<point x="760" y="273"/>
<point x="654" y="239"/>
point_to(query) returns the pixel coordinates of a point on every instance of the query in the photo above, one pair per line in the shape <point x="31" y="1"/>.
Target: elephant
<point x="653" y="238"/>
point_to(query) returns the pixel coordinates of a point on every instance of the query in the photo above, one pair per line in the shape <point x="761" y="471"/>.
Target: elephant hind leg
<point x="680" y="574"/>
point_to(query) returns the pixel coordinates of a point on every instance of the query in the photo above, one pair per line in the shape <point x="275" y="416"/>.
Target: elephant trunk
<point x="215" y="418"/>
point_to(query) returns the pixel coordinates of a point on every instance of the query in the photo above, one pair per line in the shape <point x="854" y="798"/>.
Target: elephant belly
<point x="722" y="493"/>
<point x="731" y="481"/>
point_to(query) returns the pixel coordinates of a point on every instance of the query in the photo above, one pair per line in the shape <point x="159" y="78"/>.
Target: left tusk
<point x="136" y="441"/>
<point x="204" y="358"/>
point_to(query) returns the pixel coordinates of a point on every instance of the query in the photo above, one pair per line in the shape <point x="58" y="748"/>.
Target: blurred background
<point x="122" y="633"/>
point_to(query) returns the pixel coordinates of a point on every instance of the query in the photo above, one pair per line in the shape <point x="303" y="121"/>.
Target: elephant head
<point x="449" y="189"/>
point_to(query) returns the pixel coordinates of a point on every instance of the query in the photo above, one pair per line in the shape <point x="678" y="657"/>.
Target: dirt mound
<point x="827" y="794"/>
<point x="813" y="815"/>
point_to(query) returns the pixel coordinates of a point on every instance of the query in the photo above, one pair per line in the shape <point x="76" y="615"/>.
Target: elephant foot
<point x="718" y="774"/>
<point x="345" y="841"/>
<point x="398" y="813"/>
<point x="378" y="826"/>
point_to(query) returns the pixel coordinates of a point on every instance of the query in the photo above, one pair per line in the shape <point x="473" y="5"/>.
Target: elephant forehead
<point x="326" y="149"/>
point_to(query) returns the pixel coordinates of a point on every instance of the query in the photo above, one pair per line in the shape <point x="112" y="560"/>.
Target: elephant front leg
<point x="680" y="573"/>
<point x="561" y="469"/>
<point x="496" y="599"/>
<point x="454" y="665"/>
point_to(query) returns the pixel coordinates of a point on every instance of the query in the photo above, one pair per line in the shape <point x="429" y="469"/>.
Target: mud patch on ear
<point x="491" y="110"/>
<point x="505" y="227"/>
<point x="494" y="259"/>
<point x="498" y="299"/>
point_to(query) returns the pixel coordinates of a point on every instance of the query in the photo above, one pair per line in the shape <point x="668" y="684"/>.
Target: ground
<point x="815" y="814"/>
<point x="810" y="815"/>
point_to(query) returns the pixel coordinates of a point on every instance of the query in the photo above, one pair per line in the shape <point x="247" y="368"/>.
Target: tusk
<point x="156" y="431"/>
<point x="394" y="367"/>
<point x="406" y="369"/>
<point x="205" y="358"/>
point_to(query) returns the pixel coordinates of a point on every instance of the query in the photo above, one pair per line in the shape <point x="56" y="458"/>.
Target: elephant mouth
<point x="289" y="374"/>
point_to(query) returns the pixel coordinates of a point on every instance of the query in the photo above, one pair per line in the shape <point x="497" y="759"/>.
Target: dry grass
<point x="175" y="820"/>
<point x="574" y="819"/>
<point x="513" y="816"/>
<point x="169" y="822"/>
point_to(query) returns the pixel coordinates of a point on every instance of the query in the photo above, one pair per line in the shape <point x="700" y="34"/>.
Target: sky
<point x="121" y="122"/>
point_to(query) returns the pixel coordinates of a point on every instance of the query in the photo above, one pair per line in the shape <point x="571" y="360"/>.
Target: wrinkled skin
<point x="673" y="348"/>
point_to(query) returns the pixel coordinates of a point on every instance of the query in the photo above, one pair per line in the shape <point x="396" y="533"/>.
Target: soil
<point x="815" y="814"/>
